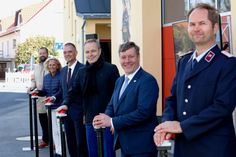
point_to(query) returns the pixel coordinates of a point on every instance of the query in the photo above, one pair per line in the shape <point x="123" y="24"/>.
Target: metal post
<point x="61" y="117"/>
<point x="31" y="123"/>
<point x="99" y="134"/>
<point x="50" y="129"/>
<point x="163" y="149"/>
<point x="165" y="146"/>
<point x="35" y="126"/>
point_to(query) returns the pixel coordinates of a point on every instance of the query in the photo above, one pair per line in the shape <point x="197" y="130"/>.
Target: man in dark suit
<point x="75" y="130"/>
<point x="199" y="110"/>
<point x="131" y="113"/>
<point x="94" y="83"/>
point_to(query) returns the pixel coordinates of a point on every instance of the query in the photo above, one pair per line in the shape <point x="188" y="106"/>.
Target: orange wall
<point x="169" y="66"/>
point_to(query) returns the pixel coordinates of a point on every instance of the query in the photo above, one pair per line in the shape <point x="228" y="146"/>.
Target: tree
<point x="31" y="46"/>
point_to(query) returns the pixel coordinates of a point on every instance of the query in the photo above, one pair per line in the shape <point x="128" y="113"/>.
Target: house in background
<point x="88" y="19"/>
<point x="41" y="19"/>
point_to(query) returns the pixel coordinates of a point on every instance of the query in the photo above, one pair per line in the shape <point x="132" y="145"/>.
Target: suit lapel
<point x="203" y="64"/>
<point x="77" y="67"/>
<point x="74" y="72"/>
<point x="64" y="77"/>
<point x="117" y="92"/>
<point x="128" y="88"/>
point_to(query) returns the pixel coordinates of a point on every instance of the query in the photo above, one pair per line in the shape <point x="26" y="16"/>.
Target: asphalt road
<point x="14" y="124"/>
<point x="14" y="120"/>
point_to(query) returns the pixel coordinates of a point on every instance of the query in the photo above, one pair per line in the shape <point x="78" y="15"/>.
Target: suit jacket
<point x="75" y="108"/>
<point x="134" y="114"/>
<point x="37" y="82"/>
<point x="105" y="79"/>
<point x="202" y="100"/>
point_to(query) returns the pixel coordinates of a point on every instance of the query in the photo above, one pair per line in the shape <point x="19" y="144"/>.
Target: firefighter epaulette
<point x="182" y="54"/>
<point x="227" y="54"/>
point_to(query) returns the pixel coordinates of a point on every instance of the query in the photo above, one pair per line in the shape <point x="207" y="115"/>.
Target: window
<point x="221" y="5"/>
<point x="224" y="5"/>
<point x="8" y="51"/>
<point x="14" y="44"/>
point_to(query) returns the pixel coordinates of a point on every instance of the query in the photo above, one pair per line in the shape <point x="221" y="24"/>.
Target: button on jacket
<point x="202" y="100"/>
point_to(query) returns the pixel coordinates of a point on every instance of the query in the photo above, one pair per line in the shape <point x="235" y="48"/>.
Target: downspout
<point x="82" y="41"/>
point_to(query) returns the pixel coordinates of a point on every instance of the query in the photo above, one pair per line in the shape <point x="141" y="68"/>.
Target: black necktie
<point x="194" y="63"/>
<point x="68" y="75"/>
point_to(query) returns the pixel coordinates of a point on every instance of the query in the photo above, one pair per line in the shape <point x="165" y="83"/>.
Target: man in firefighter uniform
<point x="203" y="95"/>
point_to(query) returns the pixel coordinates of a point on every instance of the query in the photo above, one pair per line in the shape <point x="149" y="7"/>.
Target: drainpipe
<point x="82" y="41"/>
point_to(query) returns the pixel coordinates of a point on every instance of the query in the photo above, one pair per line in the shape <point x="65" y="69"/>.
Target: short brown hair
<point x="70" y="44"/>
<point x="213" y="14"/>
<point x="93" y="41"/>
<point x="44" y="48"/>
<point x="128" y="45"/>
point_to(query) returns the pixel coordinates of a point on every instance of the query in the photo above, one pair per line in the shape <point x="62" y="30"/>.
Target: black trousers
<point x="76" y="137"/>
<point x="43" y="119"/>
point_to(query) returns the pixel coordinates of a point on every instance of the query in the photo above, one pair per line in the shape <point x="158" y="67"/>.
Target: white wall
<point x="48" y="22"/>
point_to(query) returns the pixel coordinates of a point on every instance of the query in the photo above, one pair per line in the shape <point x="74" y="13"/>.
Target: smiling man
<point x="199" y="110"/>
<point x="94" y="83"/>
<point x="75" y="130"/>
<point x="131" y="113"/>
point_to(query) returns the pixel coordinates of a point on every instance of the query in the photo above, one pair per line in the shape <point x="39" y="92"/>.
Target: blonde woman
<point x="51" y="87"/>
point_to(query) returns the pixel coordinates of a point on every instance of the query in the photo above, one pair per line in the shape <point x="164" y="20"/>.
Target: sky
<point x="8" y="7"/>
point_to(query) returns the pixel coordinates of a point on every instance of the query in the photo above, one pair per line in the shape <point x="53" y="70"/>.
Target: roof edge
<point x="94" y="15"/>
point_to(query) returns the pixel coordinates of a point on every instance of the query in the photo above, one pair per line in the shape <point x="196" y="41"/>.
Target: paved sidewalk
<point x="12" y="88"/>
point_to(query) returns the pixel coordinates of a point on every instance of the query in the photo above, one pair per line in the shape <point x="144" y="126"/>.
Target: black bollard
<point x="35" y="97"/>
<point x="61" y="116"/>
<point x="50" y="137"/>
<point x="99" y="134"/>
<point x="31" y="123"/>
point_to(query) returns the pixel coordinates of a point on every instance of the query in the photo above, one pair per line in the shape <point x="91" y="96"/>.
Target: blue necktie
<point x="125" y="84"/>
<point x="193" y="63"/>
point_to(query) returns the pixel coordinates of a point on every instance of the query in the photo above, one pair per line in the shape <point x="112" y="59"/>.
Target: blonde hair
<point x="52" y="59"/>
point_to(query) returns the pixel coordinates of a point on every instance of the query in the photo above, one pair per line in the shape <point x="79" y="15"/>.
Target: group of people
<point x="198" y="111"/>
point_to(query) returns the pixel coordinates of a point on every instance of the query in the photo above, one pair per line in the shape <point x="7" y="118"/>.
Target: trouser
<point x="154" y="154"/>
<point x="43" y="119"/>
<point x="92" y="142"/>
<point x="76" y="137"/>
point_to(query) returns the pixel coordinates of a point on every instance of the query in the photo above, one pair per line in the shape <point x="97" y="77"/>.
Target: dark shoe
<point x="42" y="145"/>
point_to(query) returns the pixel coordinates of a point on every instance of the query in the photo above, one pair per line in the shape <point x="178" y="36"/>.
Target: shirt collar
<point x="198" y="58"/>
<point x="72" y="67"/>
<point x="130" y="76"/>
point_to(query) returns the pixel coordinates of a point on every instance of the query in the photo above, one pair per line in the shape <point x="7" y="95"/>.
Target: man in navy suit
<point x="199" y="110"/>
<point x="75" y="129"/>
<point x="131" y="113"/>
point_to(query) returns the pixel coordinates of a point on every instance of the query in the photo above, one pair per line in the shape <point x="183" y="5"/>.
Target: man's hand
<point x="49" y="99"/>
<point x="101" y="120"/>
<point x="164" y="131"/>
<point x="169" y="126"/>
<point x="159" y="138"/>
<point x="63" y="107"/>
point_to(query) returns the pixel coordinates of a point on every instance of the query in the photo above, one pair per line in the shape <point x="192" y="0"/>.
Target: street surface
<point x="14" y="120"/>
<point x="14" y="124"/>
